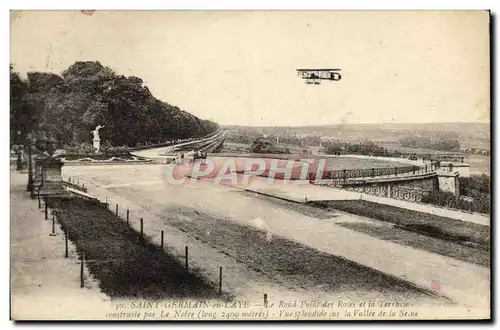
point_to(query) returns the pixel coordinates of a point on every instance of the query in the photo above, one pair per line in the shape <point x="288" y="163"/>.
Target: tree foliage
<point x="479" y="183"/>
<point x="365" y="147"/>
<point x="440" y="141"/>
<point x="262" y="146"/>
<point x="20" y="115"/>
<point x="476" y="189"/>
<point x="88" y="94"/>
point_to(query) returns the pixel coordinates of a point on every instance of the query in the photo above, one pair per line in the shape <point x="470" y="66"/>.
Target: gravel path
<point x="44" y="284"/>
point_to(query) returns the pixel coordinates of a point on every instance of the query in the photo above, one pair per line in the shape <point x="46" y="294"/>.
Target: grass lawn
<point x="125" y="265"/>
<point x="332" y="163"/>
<point x="478" y="163"/>
<point x="348" y="163"/>
<point x="291" y="263"/>
<point x="392" y="233"/>
<point x="462" y="232"/>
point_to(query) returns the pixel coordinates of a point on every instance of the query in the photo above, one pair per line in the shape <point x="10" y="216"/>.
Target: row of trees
<point x="445" y="142"/>
<point x="88" y="94"/>
<point x="359" y="148"/>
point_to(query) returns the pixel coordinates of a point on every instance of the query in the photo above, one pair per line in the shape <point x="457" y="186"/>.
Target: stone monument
<point x="96" y="139"/>
<point x="48" y="178"/>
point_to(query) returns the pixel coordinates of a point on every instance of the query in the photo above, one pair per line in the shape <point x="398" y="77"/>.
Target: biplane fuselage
<point x="319" y="74"/>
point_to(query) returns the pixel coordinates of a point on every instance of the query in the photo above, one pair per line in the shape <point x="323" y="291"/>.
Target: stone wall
<point x="411" y="194"/>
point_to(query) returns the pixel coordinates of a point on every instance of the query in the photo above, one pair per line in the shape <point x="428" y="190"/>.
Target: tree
<point x="19" y="118"/>
<point x="88" y="94"/>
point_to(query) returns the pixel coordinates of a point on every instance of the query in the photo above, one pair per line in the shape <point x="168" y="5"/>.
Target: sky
<point x="239" y="67"/>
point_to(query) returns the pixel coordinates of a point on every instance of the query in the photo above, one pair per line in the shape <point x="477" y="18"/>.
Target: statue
<point x="96" y="140"/>
<point x="95" y="132"/>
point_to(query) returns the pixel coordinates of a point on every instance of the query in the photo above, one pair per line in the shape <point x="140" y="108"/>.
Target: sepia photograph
<point x="257" y="165"/>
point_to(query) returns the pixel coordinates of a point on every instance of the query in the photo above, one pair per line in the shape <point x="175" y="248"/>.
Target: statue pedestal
<point x="448" y="181"/>
<point x="97" y="144"/>
<point x="51" y="179"/>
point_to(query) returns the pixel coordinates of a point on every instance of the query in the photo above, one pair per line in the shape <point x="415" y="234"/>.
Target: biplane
<point x="314" y="76"/>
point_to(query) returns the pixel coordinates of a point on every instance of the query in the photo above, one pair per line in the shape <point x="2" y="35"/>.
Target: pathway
<point x="44" y="284"/>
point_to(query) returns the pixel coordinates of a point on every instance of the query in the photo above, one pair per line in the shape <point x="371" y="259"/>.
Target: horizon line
<point x="364" y="123"/>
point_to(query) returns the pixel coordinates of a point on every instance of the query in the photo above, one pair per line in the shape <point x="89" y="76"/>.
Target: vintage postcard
<point x="250" y="165"/>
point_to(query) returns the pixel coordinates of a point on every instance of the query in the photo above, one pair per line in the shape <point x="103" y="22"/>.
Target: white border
<point x="258" y="4"/>
<point x="192" y="5"/>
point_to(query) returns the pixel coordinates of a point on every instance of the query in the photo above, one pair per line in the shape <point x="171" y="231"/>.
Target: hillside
<point x="470" y="135"/>
<point x="89" y="94"/>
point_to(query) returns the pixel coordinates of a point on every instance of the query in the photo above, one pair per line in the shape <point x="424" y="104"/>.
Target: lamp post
<point x="41" y="145"/>
<point x="29" y="142"/>
<point x="19" y="161"/>
<point x="41" y="141"/>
